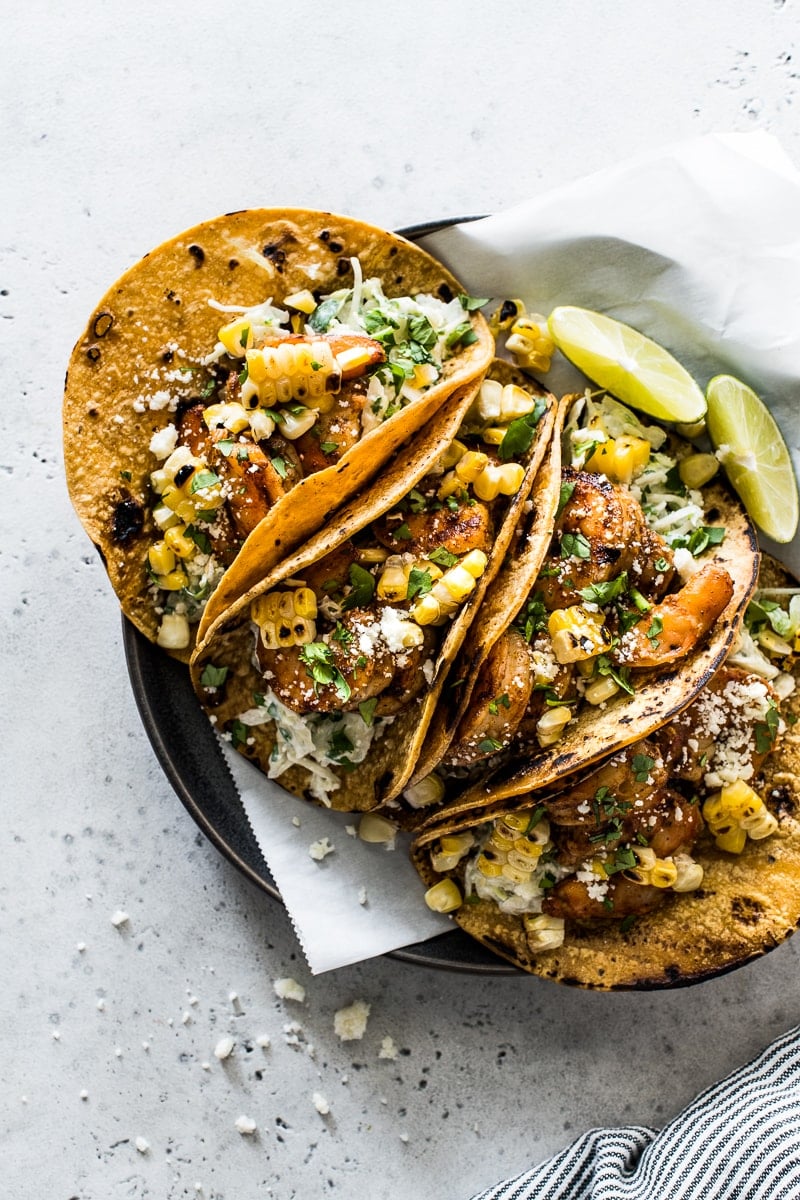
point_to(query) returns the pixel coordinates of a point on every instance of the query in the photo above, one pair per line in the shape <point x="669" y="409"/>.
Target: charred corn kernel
<point x="377" y="829"/>
<point x="714" y="809"/>
<point x="372" y="554"/>
<point x="427" y="610"/>
<point x="181" y="457"/>
<point x="543" y="932"/>
<point x="454" y="452"/>
<point x="475" y="563"/>
<point x="516" y="822"/>
<point x="551" y="725"/>
<point x="288" y="371"/>
<point x="261" y="424"/>
<point x="281" y="633"/>
<point x="305" y="602"/>
<point x="692" y="430"/>
<point x="161" y="558"/>
<point x="277" y="606"/>
<point x="182" y="505"/>
<point x="470" y="465"/>
<point x="457" y="843"/>
<point x="773" y="643"/>
<point x="393" y="579"/>
<point x="458" y="581"/>
<point x="759" y="825"/>
<point x="494" y="481"/>
<point x="576" y="634"/>
<point x="227" y="416"/>
<point x="302" y="301"/>
<point x="530" y="343"/>
<point x="664" y="873"/>
<point x="444" y="896"/>
<point x="493" y="435"/>
<point x="733" y="840"/>
<point x="637" y="875"/>
<point x="294" y="425"/>
<point x="690" y="873"/>
<point x="433" y="570"/>
<point x="696" y="470"/>
<point x="173" y="632"/>
<point x="237" y="337"/>
<point x="488" y="404"/>
<point x="501" y="840"/>
<point x="173" y="581"/>
<point x="256" y="367"/>
<point x="621" y="459"/>
<point x="426" y="791"/>
<point x="524" y="862"/>
<point x="645" y="857"/>
<point x="517" y="874"/>
<point x="449" y="486"/>
<point x="164" y="517"/>
<point x="531" y="846"/>
<point x="179" y="543"/>
<point x="489" y="867"/>
<point x="540" y="834"/>
<point x="601" y="690"/>
<point x="505" y="316"/>
<point x="740" y="800"/>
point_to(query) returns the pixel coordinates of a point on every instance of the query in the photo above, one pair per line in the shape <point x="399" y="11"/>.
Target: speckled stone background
<point x="123" y="124"/>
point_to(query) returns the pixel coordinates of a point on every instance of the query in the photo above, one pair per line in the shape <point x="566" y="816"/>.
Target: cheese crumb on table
<point x="388" y="1049"/>
<point x="142" y="1145"/>
<point x="321" y="849"/>
<point x="224" y="1048"/>
<point x="350" y="1023"/>
<point x="321" y="1104"/>
<point x="245" y="1125"/>
<point x="119" y="918"/>
<point x="289" y="989"/>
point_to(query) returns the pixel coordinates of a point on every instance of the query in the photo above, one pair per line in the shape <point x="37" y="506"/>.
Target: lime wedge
<point x="752" y="451"/>
<point x="624" y="362"/>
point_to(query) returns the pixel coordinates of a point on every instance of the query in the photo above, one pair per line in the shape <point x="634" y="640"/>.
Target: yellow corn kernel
<point x="523" y="862"/>
<point x="740" y="800"/>
<point x="303" y="301"/>
<point x="517" y="822"/>
<point x="714" y="809"/>
<point x="377" y="829"/>
<point x="457" y="843"/>
<point x="576" y="634"/>
<point x="664" y="873"/>
<point x="161" y="558"/>
<point x="179" y="543"/>
<point x="173" y="632"/>
<point x="424" y="375"/>
<point x="173" y="581"/>
<point x="516" y="874"/>
<point x="305" y="602"/>
<point x="690" y="873"/>
<point x="475" y="563"/>
<point x="458" y="581"/>
<point x="526" y="847"/>
<point x="453" y="454"/>
<point x="442" y="863"/>
<point x="470" y="465"/>
<point x="237" y="337"/>
<point x="488" y="404"/>
<point x="504" y="480"/>
<point x="294" y="425"/>
<point x="444" y="896"/>
<point x="530" y="343"/>
<point x="256" y="366"/>
<point x="425" y="792"/>
<point x="543" y="932"/>
<point x="372" y="554"/>
<point x="449" y="486"/>
<point x="164" y="517"/>
<point x="515" y="403"/>
<point x="265" y="608"/>
<point x="493" y="435"/>
<point x="489" y="867"/>
<point x="601" y="690"/>
<point x="230" y="416"/>
<point x="353" y="358"/>
<point x="261" y="425"/>
<point x="501" y="840"/>
<point x="732" y="841"/>
<point x="645" y="857"/>
<point x="505" y="316"/>
<point x="621" y="459"/>
<point x="551" y="725"/>
<point x="773" y="643"/>
<point x="759" y="825"/>
<point x="427" y="610"/>
<point x="599" y="869"/>
<point x="393" y="580"/>
<point x="696" y="470"/>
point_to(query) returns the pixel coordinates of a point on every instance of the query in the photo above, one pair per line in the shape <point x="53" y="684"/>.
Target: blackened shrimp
<point x="630" y="778"/>
<point x="335" y="431"/>
<point x="671" y="629"/>
<point x="498" y="703"/>
<point x="458" y="530"/>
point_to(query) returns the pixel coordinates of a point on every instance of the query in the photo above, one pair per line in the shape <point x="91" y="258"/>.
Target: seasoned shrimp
<point x="254" y="481"/>
<point x="671" y="629"/>
<point x="335" y="431"/>
<point x="467" y="527"/>
<point x="630" y="777"/>
<point x="498" y="703"/>
<point x="623" y="898"/>
<point x="599" y="534"/>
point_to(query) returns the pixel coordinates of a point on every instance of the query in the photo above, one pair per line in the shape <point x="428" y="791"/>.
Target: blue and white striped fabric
<point x="739" y="1140"/>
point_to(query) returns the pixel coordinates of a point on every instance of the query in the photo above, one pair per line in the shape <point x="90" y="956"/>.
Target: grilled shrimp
<point x="629" y="784"/>
<point x="623" y="898"/>
<point x="468" y="527"/>
<point x="671" y="629"/>
<point x="498" y="703"/>
<point x="254" y="480"/>
<point x="600" y="533"/>
<point x="335" y="431"/>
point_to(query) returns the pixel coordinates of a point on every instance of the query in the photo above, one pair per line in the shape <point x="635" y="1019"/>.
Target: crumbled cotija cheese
<point x="320" y="1104"/>
<point x="289" y="989"/>
<point x="350" y="1023"/>
<point x="321" y="849"/>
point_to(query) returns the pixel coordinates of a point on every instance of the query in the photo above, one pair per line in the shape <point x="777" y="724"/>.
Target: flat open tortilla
<point x="747" y="904"/>
<point x="156" y="322"/>
<point x="595" y="733"/>
<point x="229" y="640"/>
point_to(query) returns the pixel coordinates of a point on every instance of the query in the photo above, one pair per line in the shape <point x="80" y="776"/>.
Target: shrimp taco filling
<point x="635" y="832"/>
<point x="355" y="638"/>
<point x="628" y="588"/>
<point x="289" y="391"/>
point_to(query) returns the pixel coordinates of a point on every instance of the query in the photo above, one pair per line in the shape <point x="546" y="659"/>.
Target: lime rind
<point x="754" y="455"/>
<point x="624" y="362"/>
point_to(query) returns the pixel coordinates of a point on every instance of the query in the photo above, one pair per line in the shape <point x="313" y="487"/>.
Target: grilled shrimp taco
<point x="674" y="860"/>
<point x="326" y="674"/>
<point x="629" y="613"/>
<point x="263" y="353"/>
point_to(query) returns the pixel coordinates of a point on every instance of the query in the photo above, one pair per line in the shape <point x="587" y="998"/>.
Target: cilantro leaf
<point x="442" y="557"/>
<point x="604" y="593"/>
<point x="319" y="663"/>
<point x="280" y="465"/>
<point x="621" y="677"/>
<point x="363" y="585"/>
<point x="213" y="677"/>
<point x="367" y="710"/>
<point x="489" y="745"/>
<point x="766" y="731"/>
<point x="642" y="765"/>
<point x="419" y="583"/>
<point x="471" y="303"/>
<point x="324" y="313"/>
<point x="575" y="545"/>
<point x="203" y="479"/>
<point x="519" y="434"/>
<point x="564" y="496"/>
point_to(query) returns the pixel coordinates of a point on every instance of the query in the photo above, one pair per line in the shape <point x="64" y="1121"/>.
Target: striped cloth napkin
<point x="739" y="1139"/>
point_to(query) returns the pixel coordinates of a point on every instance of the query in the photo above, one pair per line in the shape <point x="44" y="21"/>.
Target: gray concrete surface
<point x="121" y="126"/>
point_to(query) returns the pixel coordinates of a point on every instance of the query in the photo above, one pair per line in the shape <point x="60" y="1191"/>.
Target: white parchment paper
<point x="698" y="246"/>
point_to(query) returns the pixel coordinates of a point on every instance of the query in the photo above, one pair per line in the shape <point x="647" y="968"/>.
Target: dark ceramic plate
<point x="184" y="744"/>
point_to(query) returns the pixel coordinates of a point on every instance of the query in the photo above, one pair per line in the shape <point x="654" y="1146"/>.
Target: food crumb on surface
<point x="321" y="849"/>
<point x="119" y="918"/>
<point x="296" y="822"/>
<point x="388" y="1048"/>
<point x="263" y="1041"/>
<point x="351" y="831"/>
<point x="321" y="1104"/>
<point x="362" y="895"/>
<point x="80" y="947"/>
<point x="142" y="1145"/>
<point x="404" y="1137"/>
<point x="289" y="989"/>
<point x="84" y="1095"/>
<point x="224" y="1048"/>
<point x="350" y="1023"/>
<point x="245" y="1125"/>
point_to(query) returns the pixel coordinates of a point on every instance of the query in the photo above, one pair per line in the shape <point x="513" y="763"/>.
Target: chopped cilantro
<point x="342" y="634"/>
<point x="339" y="745"/>
<point x="471" y="303"/>
<point x="318" y="660"/>
<point x="534" y="819"/>
<point x="575" y="545"/>
<point x="624" y="859"/>
<point x="443" y="557"/>
<point x="662" y="565"/>
<point x="239" y="734"/>
<point x="766" y="731"/>
<point x="367" y="710"/>
<point x="489" y="745"/>
<point x="422" y="332"/>
<point x="363" y="588"/>
<point x="403" y="533"/>
<point x="203" y="479"/>
<point x="604" y="593"/>
<point x="564" y="496"/>
<point x="243" y="336"/>
<point x="328" y="447"/>
<point x="324" y="313"/>
<point x="416" y="501"/>
<point x="244" y="373"/>
<point x="200" y="539"/>
<point x="213" y="677"/>
<point x="621" y="677"/>
<point x="209" y="389"/>
<point x="494" y="705"/>
<point x="641" y="602"/>
<point x="656" y="628"/>
<point x="702" y="538"/>
<point x="419" y="583"/>
<point x="642" y="765"/>
<point x="280" y="465"/>
<point x="519" y="434"/>
<point x="533" y="618"/>
<point x="126" y="475"/>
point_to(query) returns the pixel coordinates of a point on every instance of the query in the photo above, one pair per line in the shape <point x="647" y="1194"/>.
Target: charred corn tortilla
<point x="229" y="641"/>
<point x="143" y="354"/>
<point x="747" y="903"/>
